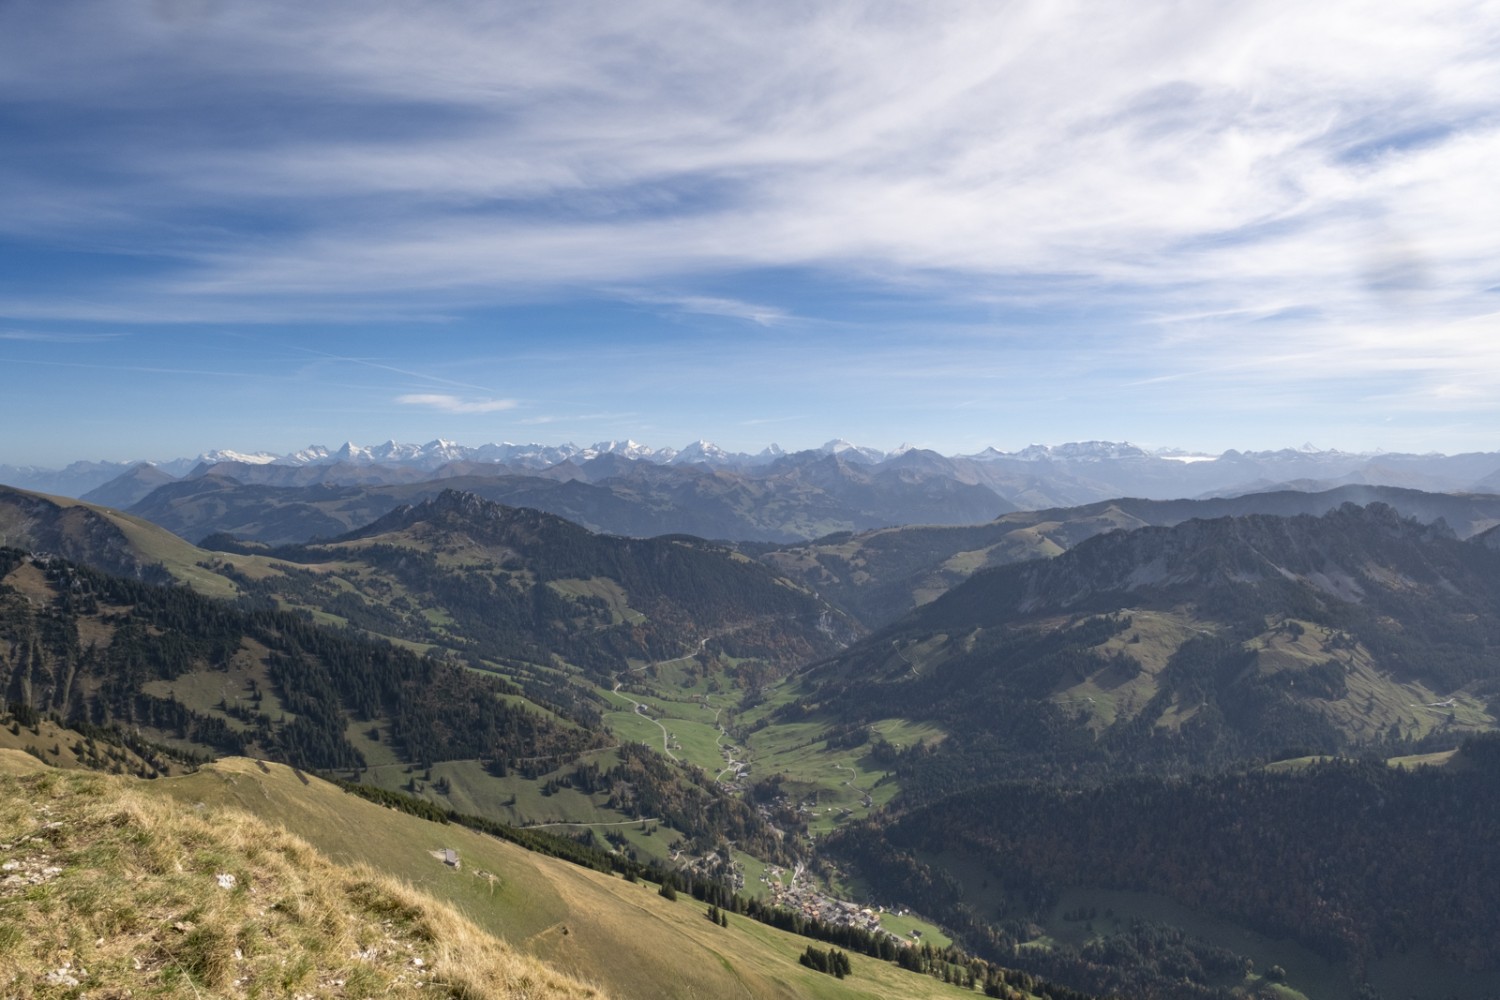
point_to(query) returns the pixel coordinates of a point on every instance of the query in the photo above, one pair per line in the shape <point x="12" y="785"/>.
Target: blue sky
<point x="1210" y="225"/>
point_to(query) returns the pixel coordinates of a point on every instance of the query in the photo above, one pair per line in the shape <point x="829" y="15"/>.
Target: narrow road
<point x="904" y="660"/>
<point x="731" y="763"/>
<point x="863" y="791"/>
<point x="641" y="711"/>
<point x="625" y="822"/>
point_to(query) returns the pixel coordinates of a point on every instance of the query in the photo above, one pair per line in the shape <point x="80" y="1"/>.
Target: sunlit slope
<point x="106" y="539"/>
<point x="597" y="927"/>
<point x="114" y="889"/>
<point x="209" y="678"/>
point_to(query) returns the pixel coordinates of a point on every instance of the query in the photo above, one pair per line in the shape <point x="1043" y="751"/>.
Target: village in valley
<point x="800" y="896"/>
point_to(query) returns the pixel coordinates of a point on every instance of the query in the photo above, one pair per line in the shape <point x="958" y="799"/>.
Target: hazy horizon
<point x="279" y="455"/>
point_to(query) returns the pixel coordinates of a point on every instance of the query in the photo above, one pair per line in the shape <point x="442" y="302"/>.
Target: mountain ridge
<point x="1216" y="641"/>
<point x="1083" y="471"/>
<point x="792" y="498"/>
<point x="879" y="575"/>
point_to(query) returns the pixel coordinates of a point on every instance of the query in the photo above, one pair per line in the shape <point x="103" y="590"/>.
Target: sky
<point x="1204" y="225"/>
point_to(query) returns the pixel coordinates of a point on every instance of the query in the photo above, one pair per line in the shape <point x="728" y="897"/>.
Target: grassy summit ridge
<point x="112" y="890"/>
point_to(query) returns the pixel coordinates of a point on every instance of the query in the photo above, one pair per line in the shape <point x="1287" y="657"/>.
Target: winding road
<point x="732" y="764"/>
<point x="640" y="710"/>
<point x="901" y="653"/>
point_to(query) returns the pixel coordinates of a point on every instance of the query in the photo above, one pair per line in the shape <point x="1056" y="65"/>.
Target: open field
<point x="845" y="781"/>
<point x="606" y="590"/>
<point x="1375" y="703"/>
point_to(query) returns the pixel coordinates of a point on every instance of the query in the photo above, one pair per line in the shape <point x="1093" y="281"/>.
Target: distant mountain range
<point x="1032" y="478"/>
<point x="796" y="498"/>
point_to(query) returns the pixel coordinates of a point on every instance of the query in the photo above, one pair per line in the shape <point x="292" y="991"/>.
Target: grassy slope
<point x="841" y="779"/>
<point x="1376" y="701"/>
<point x="152" y="544"/>
<point x="598" y="927"/>
<point x="113" y="889"/>
<point x="53" y="745"/>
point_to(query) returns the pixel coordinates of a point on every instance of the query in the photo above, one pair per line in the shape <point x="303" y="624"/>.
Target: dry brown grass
<point x="109" y="893"/>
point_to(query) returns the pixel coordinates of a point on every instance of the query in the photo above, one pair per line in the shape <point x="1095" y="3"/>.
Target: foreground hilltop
<point x="113" y="889"/>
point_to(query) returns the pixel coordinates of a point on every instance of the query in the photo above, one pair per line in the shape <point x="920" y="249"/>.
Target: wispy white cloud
<point x="141" y="369"/>
<point x="407" y="371"/>
<point x="453" y="404"/>
<point x="707" y="305"/>
<point x="46" y="337"/>
<point x="1217" y="156"/>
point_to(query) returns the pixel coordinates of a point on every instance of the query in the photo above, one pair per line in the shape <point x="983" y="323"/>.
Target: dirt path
<point x="640" y="710"/>
<point x="623" y="822"/>
<point x="910" y="665"/>
<point x="731" y="763"/>
<point x="850" y="782"/>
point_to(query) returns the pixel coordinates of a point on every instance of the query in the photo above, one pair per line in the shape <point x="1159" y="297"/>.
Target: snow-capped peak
<point x="700" y="451"/>
<point x="227" y="455"/>
<point x="1073" y="451"/>
<point x="625" y="449"/>
<point x="769" y="453"/>
<point x="852" y="452"/>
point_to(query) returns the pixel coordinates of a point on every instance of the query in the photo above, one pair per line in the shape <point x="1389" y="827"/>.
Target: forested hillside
<point x="1355" y="860"/>
<point x="511" y="584"/>
<point x="109" y="651"/>
<point x="1178" y="649"/>
<point x="198" y="677"/>
<point x="508" y="665"/>
<point x="878" y="576"/>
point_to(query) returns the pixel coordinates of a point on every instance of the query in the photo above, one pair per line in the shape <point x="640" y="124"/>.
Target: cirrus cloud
<point x="453" y="404"/>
